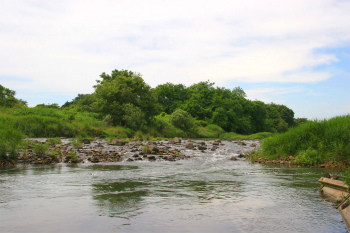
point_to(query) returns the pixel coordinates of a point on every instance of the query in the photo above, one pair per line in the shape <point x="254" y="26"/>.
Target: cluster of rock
<point x="100" y="150"/>
<point x="287" y="160"/>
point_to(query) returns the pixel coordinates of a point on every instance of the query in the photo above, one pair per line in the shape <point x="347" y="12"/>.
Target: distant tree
<point x="238" y="91"/>
<point x="286" y="114"/>
<point x="299" y="121"/>
<point x="199" y="105"/>
<point x="171" y="96"/>
<point x="55" y="105"/>
<point x="83" y="102"/>
<point x="7" y="98"/>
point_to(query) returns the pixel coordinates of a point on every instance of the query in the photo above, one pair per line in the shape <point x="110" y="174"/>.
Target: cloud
<point x="65" y="45"/>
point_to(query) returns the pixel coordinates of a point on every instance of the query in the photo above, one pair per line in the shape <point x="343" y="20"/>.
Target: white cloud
<point x="65" y="45"/>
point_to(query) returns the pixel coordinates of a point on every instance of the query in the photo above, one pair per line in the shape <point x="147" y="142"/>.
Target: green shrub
<point x="182" y="120"/>
<point x="210" y="131"/>
<point x="40" y="149"/>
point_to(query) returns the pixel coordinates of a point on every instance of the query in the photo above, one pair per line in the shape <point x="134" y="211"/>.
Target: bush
<point x="182" y="120"/>
<point x="210" y="131"/>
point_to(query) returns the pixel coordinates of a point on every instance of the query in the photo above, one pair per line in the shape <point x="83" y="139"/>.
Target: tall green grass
<point x="9" y="141"/>
<point x="235" y="136"/>
<point x="49" y="122"/>
<point x="312" y="143"/>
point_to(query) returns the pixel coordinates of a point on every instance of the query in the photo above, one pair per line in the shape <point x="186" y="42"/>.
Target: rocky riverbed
<point x="101" y="151"/>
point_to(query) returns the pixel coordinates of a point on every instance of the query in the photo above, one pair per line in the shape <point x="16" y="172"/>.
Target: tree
<point x="133" y="116"/>
<point x="238" y="91"/>
<point x="83" y="102"/>
<point x="121" y="88"/>
<point x="171" y="96"/>
<point x="7" y="98"/>
<point x="199" y="105"/>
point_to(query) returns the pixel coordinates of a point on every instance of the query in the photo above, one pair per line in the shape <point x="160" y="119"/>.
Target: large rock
<point x="117" y="142"/>
<point x="189" y="145"/>
<point x="86" y="141"/>
<point x="175" y="141"/>
<point x="217" y="142"/>
<point x="153" y="149"/>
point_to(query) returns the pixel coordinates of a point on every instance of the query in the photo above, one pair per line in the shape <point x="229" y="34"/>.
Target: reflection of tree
<point x="104" y="167"/>
<point x="120" y="199"/>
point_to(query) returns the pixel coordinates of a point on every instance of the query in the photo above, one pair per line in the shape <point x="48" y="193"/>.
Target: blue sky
<point x="295" y="53"/>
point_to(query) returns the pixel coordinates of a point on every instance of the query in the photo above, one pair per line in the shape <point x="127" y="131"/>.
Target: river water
<point x="207" y="193"/>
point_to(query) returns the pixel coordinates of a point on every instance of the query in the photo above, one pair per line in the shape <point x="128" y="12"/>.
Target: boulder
<point x="86" y="141"/>
<point x="217" y="142"/>
<point x="189" y="145"/>
<point x="151" y="158"/>
<point x="175" y="141"/>
<point x="153" y="149"/>
<point x="117" y="142"/>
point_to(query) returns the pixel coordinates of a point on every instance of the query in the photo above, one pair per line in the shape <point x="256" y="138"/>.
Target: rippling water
<point x="208" y="193"/>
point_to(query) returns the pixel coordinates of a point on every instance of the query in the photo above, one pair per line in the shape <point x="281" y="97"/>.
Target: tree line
<point x="124" y="98"/>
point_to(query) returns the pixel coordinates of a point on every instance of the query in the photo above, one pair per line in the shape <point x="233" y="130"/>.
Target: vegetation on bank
<point x="312" y="143"/>
<point x="124" y="106"/>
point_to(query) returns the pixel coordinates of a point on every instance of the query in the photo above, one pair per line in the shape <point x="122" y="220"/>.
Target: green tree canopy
<point x="171" y="96"/>
<point x="7" y="98"/>
<point x="115" y="91"/>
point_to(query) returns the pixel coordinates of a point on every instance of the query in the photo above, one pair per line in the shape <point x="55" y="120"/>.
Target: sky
<point x="291" y="52"/>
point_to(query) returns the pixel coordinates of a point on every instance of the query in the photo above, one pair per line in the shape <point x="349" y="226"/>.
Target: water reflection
<point x="120" y="199"/>
<point x="113" y="167"/>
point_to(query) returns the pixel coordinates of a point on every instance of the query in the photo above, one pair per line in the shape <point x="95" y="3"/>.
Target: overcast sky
<point x="291" y="52"/>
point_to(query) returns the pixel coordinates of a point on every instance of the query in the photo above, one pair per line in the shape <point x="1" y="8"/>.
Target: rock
<point x="202" y="147"/>
<point x="233" y="158"/>
<point x="130" y="160"/>
<point x="117" y="142"/>
<point x="174" y="141"/>
<point x="153" y="149"/>
<point x="327" y="175"/>
<point x="189" y="145"/>
<point x="86" y="141"/>
<point x="95" y="160"/>
<point x="339" y="199"/>
<point x="139" y="143"/>
<point x="151" y="158"/>
<point x="242" y="143"/>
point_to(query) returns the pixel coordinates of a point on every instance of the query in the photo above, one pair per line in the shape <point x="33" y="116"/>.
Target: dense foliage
<point x="7" y="98"/>
<point x="126" y="100"/>
<point x="314" y="142"/>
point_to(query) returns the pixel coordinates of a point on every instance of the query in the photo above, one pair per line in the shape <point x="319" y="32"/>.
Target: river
<point x="207" y="193"/>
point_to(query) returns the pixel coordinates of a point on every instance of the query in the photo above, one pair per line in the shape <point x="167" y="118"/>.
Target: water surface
<point x="208" y="193"/>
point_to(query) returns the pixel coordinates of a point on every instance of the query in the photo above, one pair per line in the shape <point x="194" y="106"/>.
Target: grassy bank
<point x="312" y="143"/>
<point x="47" y="122"/>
